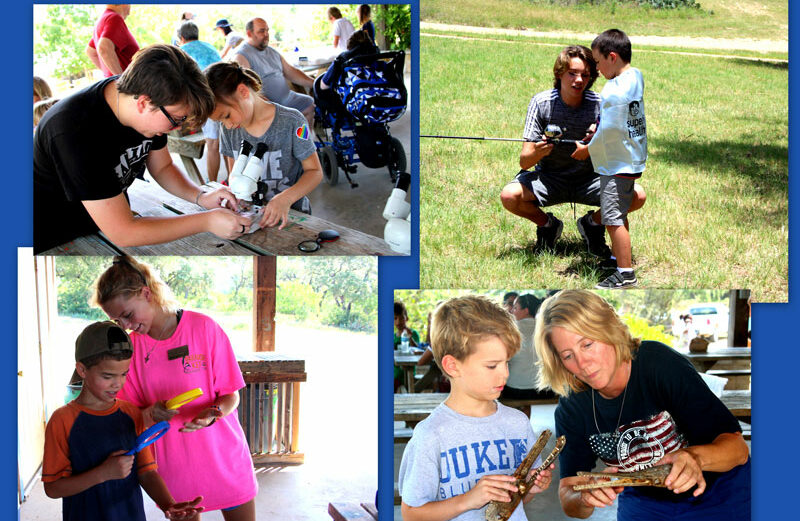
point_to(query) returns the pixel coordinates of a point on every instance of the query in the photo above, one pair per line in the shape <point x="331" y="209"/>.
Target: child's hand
<point x="219" y="198"/>
<point x="276" y="211"/>
<point x="541" y="482"/>
<point x="542" y="149"/>
<point x="205" y="418"/>
<point x="116" y="466"/>
<point x="159" y="413"/>
<point x="581" y="152"/>
<point x="185" y="510"/>
<point x="490" y="488"/>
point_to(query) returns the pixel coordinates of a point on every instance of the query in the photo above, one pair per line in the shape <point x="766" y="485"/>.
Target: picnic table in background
<point x="705" y="361"/>
<point x="148" y="199"/>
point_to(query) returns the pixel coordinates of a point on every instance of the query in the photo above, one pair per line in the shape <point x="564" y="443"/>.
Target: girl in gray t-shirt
<point x="291" y="168"/>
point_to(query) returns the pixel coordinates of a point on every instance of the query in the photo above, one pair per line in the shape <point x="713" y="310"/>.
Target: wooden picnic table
<point x="148" y="199"/>
<point x="269" y="405"/>
<point x="705" y="361"/>
<point x="413" y="408"/>
<point x="407" y="362"/>
<point x="189" y="147"/>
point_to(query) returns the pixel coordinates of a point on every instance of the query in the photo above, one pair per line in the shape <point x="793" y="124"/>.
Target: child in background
<point x="443" y="474"/>
<point x="291" y="165"/>
<point x="86" y="440"/>
<point x="40" y="107"/>
<point x="619" y="146"/>
<point x="41" y="90"/>
<point x="175" y="351"/>
<point x="400" y="325"/>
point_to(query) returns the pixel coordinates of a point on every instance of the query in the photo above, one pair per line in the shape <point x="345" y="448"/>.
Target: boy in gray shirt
<point x="460" y="458"/>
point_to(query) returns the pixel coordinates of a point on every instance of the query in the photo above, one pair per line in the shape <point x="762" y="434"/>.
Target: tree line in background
<point x="335" y="291"/>
<point x="647" y="313"/>
<point x="61" y="35"/>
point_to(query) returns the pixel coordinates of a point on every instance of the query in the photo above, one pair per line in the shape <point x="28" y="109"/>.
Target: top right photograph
<point x="605" y="144"/>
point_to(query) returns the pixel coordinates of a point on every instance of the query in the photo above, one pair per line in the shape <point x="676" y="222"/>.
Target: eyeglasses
<point x="174" y="122"/>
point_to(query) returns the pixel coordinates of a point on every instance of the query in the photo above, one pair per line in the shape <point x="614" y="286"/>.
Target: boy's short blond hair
<point x="586" y="314"/>
<point x="460" y="322"/>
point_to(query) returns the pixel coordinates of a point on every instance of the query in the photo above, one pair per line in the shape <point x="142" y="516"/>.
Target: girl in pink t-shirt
<point x="205" y="451"/>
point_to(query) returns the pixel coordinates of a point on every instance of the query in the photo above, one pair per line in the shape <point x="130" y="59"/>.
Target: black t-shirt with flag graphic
<point x="667" y="406"/>
<point x="81" y="152"/>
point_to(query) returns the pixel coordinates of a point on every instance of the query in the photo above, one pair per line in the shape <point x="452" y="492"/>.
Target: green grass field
<point x="765" y="19"/>
<point x="717" y="172"/>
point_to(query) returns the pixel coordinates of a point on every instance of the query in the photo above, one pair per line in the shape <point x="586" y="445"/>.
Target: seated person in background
<point x="508" y="300"/>
<point x="400" y="326"/>
<point x="40" y="107"/>
<point x="41" y="90"/>
<point x="365" y="19"/>
<point x="232" y="38"/>
<point x="431" y="377"/>
<point x="521" y="382"/>
<point x="325" y="96"/>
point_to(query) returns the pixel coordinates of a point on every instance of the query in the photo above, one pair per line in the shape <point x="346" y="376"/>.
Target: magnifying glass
<point x="148" y="437"/>
<point x="183" y="398"/>
<point x="323" y="236"/>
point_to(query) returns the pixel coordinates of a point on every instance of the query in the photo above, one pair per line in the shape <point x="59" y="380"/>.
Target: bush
<point x="296" y="298"/>
<point x="641" y="328"/>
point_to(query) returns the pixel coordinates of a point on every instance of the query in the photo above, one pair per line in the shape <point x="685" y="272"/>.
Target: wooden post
<point x="264" y="282"/>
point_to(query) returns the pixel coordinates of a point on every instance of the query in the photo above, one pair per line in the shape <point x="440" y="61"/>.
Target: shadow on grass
<point x="749" y="160"/>
<point x="781" y="66"/>
<point x="581" y="265"/>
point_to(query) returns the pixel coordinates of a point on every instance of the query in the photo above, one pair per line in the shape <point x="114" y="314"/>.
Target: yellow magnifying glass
<point x="183" y="398"/>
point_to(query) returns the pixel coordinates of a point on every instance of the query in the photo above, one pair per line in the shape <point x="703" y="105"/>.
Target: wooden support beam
<point x="264" y="283"/>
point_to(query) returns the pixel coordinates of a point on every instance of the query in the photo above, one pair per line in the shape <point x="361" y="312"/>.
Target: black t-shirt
<point x="667" y="406"/>
<point x="81" y="152"/>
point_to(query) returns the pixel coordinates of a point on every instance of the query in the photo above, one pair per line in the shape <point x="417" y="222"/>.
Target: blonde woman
<point x="635" y="404"/>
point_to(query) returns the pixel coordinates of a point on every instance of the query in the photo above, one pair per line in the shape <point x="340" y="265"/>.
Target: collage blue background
<point x="775" y="361"/>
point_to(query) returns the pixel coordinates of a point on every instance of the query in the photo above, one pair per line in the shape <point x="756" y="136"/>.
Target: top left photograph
<point x="222" y="129"/>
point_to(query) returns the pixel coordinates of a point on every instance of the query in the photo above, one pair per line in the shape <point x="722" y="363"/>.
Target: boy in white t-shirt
<point x="618" y="148"/>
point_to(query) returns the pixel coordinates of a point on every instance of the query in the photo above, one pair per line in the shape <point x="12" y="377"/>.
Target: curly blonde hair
<point x="458" y="323"/>
<point x="586" y="314"/>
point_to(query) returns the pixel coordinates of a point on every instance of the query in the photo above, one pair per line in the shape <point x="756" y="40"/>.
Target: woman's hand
<point x="158" y="413"/>
<point x="185" y="510"/>
<point x="219" y="198"/>
<point x="277" y="211"/>
<point x="599" y="497"/>
<point x="205" y="418"/>
<point x="490" y="488"/>
<point x="540" y="484"/>
<point x="686" y="472"/>
<point x="226" y="224"/>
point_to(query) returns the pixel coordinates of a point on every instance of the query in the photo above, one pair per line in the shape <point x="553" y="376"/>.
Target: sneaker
<point x="546" y="236"/>
<point x="594" y="236"/>
<point x="618" y="280"/>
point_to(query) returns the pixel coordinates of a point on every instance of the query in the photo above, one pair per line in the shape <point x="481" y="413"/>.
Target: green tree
<point x="350" y="285"/>
<point x="63" y="37"/>
<point x="394" y="21"/>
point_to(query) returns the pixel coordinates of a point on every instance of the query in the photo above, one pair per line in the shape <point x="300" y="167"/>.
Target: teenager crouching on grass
<point x="90" y="147"/>
<point x="86" y="440"/>
<point x="461" y="456"/>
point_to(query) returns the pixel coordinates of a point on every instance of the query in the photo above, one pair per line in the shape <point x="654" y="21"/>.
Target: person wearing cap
<point x="256" y="54"/>
<point x="112" y="45"/>
<point x="92" y="145"/>
<point x="86" y="440"/>
<point x="232" y="38"/>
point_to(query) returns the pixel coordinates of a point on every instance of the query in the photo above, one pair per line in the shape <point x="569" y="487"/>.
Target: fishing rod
<point x="552" y="135"/>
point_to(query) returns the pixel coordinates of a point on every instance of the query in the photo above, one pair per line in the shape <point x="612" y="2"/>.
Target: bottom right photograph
<point x="527" y="404"/>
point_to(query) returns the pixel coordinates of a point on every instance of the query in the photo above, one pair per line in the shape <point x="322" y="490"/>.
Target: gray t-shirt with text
<point x="449" y="453"/>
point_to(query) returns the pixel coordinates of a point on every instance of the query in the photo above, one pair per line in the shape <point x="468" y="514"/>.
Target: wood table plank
<point x="86" y="245"/>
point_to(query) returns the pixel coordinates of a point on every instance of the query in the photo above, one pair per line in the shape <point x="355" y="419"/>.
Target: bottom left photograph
<point x="218" y="388"/>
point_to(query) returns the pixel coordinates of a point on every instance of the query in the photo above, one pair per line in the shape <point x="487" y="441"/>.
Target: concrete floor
<point x="358" y="208"/>
<point x="338" y="435"/>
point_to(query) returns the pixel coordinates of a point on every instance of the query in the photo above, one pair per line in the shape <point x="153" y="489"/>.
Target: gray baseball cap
<point x="101" y="337"/>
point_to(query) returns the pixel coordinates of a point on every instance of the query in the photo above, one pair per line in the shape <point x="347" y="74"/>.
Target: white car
<point x="710" y="320"/>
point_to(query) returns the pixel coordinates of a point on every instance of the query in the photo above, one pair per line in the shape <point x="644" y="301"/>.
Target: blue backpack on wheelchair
<point x="352" y="116"/>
